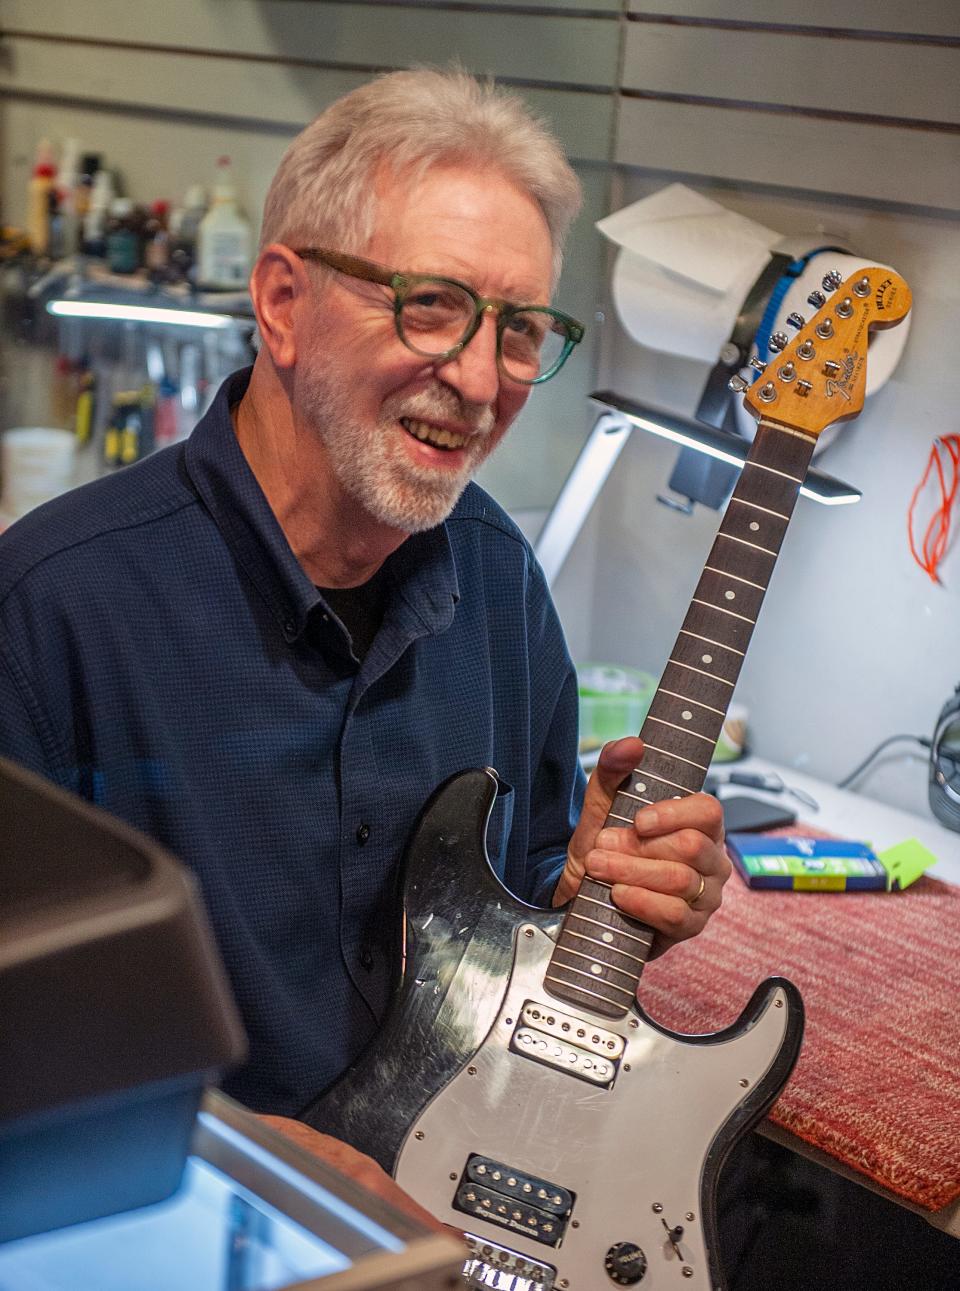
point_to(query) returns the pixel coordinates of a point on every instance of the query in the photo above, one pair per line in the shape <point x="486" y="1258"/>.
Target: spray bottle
<point x="223" y="239"/>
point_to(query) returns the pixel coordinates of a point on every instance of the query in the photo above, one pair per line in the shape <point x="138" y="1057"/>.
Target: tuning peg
<point x="738" y="384"/>
<point x="796" y="320"/>
<point x="757" y="363"/>
<point x="778" y="341"/>
<point x="862" y="286"/>
<point x="804" y="388"/>
<point x="831" y="369"/>
<point x="832" y="280"/>
<point x="817" y="299"/>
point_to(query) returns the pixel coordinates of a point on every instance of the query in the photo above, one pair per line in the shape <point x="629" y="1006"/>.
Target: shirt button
<point x="366" y="958"/>
<point x="363" y="833"/>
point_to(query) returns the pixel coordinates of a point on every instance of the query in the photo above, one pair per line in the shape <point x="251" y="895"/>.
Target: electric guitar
<point x="517" y="1089"/>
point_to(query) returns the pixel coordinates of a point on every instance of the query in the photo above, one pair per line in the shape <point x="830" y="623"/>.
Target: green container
<point x="614" y="700"/>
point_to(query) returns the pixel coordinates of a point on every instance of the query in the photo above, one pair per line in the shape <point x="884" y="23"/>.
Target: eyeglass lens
<point x="436" y="316"/>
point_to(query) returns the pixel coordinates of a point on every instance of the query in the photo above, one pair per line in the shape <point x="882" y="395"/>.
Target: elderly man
<point x="268" y="645"/>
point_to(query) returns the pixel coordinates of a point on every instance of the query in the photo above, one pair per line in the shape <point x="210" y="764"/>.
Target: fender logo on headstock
<point x="841" y="385"/>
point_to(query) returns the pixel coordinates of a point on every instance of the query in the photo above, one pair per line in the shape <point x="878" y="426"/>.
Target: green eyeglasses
<point x="437" y="317"/>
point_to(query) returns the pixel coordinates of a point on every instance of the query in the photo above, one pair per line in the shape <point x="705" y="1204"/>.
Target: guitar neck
<point x="600" y="952"/>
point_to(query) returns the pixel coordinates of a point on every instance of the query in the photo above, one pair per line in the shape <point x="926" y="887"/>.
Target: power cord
<point x="892" y="739"/>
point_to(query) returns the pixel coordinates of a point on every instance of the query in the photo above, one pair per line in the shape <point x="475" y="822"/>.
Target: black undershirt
<point x="359" y="609"/>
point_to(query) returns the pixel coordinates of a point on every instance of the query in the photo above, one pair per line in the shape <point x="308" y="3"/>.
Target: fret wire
<point x="773" y="471"/>
<point x="746" y="543"/>
<point x="620" y="932"/>
<point x="652" y="748"/>
<point x="710" y="641"/>
<point x="605" y="945"/>
<point x="635" y="796"/>
<point x="652" y="775"/>
<point x="572" y="986"/>
<point x="766" y="510"/>
<point x="616" y="816"/>
<point x="733" y="614"/>
<point x="709" y="739"/>
<point x="719" y="711"/>
<point x="711" y="569"/>
<point x="593" y="959"/>
<point x="712" y="675"/>
<point x="591" y="977"/>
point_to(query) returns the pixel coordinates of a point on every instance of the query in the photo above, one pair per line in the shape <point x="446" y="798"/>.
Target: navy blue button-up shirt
<point x="163" y="654"/>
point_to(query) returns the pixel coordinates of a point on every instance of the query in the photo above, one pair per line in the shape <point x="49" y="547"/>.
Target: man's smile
<point x="436" y="436"/>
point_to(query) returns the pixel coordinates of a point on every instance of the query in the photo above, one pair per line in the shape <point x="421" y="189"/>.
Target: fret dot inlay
<point x="640" y="787"/>
<point x="731" y="596"/>
<point x="607" y="937"/>
<point x="595" y="968"/>
<point x="706" y="658"/>
<point x="754" y="526"/>
<point x="686" y="715"/>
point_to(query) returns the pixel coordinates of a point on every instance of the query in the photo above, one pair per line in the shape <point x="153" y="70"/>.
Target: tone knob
<point x="625" y="1264"/>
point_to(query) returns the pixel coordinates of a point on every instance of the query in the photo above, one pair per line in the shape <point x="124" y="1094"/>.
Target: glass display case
<point x="253" y="1213"/>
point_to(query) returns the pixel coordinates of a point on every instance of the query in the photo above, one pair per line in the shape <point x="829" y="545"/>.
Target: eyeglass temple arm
<point x="351" y="265"/>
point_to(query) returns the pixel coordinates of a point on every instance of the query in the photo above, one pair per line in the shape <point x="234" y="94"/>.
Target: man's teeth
<point x="435" y="435"/>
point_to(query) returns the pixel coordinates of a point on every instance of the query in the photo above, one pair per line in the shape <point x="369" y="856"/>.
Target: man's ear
<point x="278" y="288"/>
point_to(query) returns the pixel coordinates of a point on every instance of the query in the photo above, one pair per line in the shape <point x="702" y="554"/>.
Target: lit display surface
<point x="214" y="1235"/>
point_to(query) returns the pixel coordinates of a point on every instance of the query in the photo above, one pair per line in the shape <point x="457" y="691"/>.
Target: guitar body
<point x="456" y="1084"/>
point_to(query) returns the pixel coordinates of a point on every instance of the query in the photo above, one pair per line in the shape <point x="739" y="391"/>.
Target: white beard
<point x="372" y="466"/>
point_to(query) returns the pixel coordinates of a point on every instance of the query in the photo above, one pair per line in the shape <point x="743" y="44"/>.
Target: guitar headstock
<point x="819" y="378"/>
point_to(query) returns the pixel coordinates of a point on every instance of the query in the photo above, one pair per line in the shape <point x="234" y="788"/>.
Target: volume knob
<point x="625" y="1264"/>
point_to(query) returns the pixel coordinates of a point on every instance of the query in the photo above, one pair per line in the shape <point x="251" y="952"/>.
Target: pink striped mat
<point x="877" y="1084"/>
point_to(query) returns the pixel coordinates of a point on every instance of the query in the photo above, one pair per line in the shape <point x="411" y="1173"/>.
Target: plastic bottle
<point x="89" y="166"/>
<point x="95" y="220"/>
<point x="67" y="184"/>
<point x="156" y="242"/>
<point x="122" y="237"/>
<point x="38" y="199"/>
<point x="184" y="227"/>
<point x="224" y="239"/>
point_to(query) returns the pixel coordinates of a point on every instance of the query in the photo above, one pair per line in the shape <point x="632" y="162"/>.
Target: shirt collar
<point x="423" y="567"/>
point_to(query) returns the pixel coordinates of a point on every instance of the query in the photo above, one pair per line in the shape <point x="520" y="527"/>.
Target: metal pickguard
<point x="639" y="1156"/>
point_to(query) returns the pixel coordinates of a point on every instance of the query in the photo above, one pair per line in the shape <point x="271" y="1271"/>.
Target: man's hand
<point x="654" y="868"/>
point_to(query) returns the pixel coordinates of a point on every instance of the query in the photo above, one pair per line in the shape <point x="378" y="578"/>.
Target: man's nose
<point x="474" y="372"/>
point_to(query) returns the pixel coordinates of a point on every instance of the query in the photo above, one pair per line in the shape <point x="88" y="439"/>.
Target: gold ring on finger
<point x="692" y="901"/>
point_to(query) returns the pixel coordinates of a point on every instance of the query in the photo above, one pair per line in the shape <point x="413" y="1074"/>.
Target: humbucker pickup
<point x="514" y="1199"/>
<point x="568" y="1043"/>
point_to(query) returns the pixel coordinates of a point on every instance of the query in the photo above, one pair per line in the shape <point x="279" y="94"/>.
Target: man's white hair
<point x="323" y="191"/>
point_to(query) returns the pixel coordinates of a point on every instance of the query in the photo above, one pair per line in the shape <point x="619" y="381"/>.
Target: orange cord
<point x="937" y="533"/>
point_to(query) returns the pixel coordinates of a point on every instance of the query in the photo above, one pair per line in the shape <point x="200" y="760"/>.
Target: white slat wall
<point x="860" y="99"/>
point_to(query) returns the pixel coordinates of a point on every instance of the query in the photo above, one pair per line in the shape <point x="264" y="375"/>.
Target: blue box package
<point x="806" y="864"/>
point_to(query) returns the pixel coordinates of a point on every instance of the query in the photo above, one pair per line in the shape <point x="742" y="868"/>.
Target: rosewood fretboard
<point x="600" y="952"/>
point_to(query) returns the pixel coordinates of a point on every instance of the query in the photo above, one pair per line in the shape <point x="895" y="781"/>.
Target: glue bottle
<point x="223" y="238"/>
<point x="38" y="199"/>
